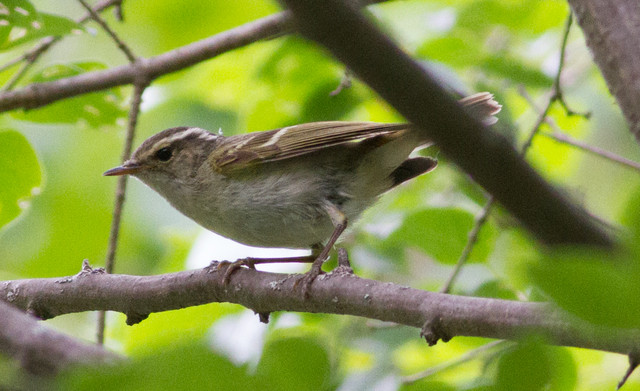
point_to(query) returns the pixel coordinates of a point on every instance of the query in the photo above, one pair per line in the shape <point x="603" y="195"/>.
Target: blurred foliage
<point x="185" y="367"/>
<point x="608" y="284"/>
<point x="413" y="236"/>
<point x="531" y="365"/>
<point x="441" y="233"/>
<point x="95" y="109"/>
<point x="19" y="174"/>
<point x="296" y="363"/>
<point x="20" y="23"/>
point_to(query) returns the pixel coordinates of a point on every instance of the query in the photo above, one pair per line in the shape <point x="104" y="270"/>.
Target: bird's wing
<point x="237" y="152"/>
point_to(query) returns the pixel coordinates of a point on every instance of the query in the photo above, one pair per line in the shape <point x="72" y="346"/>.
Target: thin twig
<point x="482" y="218"/>
<point x="117" y="11"/>
<point x="603" y="153"/>
<point x="24" y="56"/>
<point x="472" y="239"/>
<point x="134" y="111"/>
<point x="634" y="361"/>
<point x="345" y="82"/>
<point x="94" y="15"/>
<point x="141" y="83"/>
<point x="558" y="135"/>
<point x="558" y="95"/>
<point x="563" y="46"/>
<point x="31" y="56"/>
<point x="542" y="115"/>
<point x="468" y="356"/>
<point x="24" y="67"/>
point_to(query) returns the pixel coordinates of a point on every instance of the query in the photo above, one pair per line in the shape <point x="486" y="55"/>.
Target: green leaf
<point x="495" y="289"/>
<point x="455" y="50"/>
<point x="296" y="62"/>
<point x="187" y="324"/>
<point x="189" y="367"/>
<point x="295" y="363"/>
<point x="442" y="233"/>
<point x="599" y="286"/>
<point x="523" y="17"/>
<point x="21" y="23"/>
<point x="532" y="365"/>
<point x="68" y="222"/>
<point x="322" y="106"/>
<point x="463" y="51"/>
<point x="429" y="385"/>
<point x="179" y="25"/>
<point x="630" y="216"/>
<point x="96" y="109"/>
<point x="179" y="111"/>
<point x="515" y="70"/>
<point x="299" y="79"/>
<point x="20" y="12"/>
<point x="19" y="174"/>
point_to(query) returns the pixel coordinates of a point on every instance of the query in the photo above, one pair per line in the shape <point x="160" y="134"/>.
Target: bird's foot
<point x="233" y="266"/>
<point x="251" y="263"/>
<point x="304" y="282"/>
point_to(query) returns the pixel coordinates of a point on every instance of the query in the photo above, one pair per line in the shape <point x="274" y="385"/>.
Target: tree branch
<point x="485" y="155"/>
<point x="40" y="350"/>
<point x="612" y="32"/>
<point x="32" y="55"/>
<point x="40" y="94"/>
<point x="336" y="293"/>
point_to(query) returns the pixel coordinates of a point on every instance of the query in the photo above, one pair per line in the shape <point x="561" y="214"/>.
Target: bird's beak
<point x="129" y="167"/>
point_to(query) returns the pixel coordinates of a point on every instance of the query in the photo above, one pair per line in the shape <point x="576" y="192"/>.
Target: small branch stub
<point x="135" y="318"/>
<point x="432" y="331"/>
<point x="634" y="361"/>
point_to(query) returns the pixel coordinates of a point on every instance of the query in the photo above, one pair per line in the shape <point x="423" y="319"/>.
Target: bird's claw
<point x="305" y="281"/>
<point x="233" y="266"/>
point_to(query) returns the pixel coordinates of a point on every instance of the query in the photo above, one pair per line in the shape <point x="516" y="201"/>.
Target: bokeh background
<point x="60" y="208"/>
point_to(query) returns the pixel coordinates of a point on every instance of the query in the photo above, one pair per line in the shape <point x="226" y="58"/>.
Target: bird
<point x="293" y="187"/>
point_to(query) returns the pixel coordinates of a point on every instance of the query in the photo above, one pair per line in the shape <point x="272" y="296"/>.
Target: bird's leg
<point x="251" y="262"/>
<point x="339" y="221"/>
<point x="318" y="255"/>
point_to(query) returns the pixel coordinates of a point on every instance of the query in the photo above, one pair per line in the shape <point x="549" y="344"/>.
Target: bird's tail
<point x="482" y="106"/>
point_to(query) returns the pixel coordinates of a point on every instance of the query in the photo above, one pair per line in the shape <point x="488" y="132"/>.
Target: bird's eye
<point x="164" y="154"/>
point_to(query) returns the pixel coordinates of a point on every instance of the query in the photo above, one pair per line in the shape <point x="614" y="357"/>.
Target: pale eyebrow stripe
<point x="191" y="131"/>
